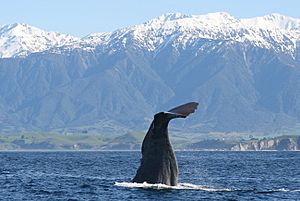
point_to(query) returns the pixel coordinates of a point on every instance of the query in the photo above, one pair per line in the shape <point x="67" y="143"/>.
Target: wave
<point x="282" y="190"/>
<point x="180" y="186"/>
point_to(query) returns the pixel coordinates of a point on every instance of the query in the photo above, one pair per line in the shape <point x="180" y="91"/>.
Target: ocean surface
<point x="106" y="176"/>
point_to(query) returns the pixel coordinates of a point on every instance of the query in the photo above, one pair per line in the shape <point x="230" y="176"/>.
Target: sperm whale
<point x="158" y="163"/>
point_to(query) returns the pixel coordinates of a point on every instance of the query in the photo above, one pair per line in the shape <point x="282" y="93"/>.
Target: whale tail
<point x="181" y="111"/>
<point x="158" y="163"/>
<point x="184" y="110"/>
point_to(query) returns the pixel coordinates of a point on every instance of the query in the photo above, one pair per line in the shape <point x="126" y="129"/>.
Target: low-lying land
<point x="133" y="140"/>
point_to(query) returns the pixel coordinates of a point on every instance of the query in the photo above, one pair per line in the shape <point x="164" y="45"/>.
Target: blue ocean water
<point x="106" y="176"/>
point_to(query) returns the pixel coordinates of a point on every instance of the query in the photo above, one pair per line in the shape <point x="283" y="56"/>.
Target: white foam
<point x="287" y="190"/>
<point x="180" y="186"/>
<point x="188" y="186"/>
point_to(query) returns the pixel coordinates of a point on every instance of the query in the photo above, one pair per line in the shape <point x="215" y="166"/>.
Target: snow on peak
<point x="177" y="20"/>
<point x="154" y="33"/>
<point x="271" y="31"/>
<point x="274" y="21"/>
<point x="20" y="39"/>
<point x="181" y="29"/>
<point x="96" y="38"/>
<point x="172" y="16"/>
<point x="219" y="18"/>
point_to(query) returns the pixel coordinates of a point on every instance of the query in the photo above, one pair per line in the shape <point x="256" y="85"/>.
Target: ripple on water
<point x="100" y="175"/>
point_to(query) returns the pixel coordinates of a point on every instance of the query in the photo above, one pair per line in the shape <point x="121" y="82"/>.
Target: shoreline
<point x="134" y="150"/>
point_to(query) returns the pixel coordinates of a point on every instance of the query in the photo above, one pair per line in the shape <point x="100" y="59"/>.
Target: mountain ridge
<point x="188" y="27"/>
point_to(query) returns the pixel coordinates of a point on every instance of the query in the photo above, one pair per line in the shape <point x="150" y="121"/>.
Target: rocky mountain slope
<point x="244" y="73"/>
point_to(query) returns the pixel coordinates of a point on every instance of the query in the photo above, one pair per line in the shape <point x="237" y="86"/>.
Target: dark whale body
<point x="158" y="163"/>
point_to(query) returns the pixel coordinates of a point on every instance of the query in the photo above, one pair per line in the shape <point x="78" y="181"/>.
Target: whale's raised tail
<point x="185" y="109"/>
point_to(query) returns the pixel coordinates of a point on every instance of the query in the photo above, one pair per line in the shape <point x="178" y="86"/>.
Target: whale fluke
<point x="185" y="109"/>
<point x="158" y="163"/>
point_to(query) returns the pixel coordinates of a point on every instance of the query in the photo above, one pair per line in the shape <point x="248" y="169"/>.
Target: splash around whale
<point x="188" y="186"/>
<point x="180" y="186"/>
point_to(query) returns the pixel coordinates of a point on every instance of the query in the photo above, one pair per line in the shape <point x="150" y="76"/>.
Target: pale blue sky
<point x="81" y="17"/>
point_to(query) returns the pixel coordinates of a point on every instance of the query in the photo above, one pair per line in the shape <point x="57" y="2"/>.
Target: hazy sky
<point x="81" y="17"/>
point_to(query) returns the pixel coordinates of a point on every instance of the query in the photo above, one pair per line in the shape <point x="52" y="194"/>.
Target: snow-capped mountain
<point x="272" y="31"/>
<point x="244" y="73"/>
<point x="21" y="39"/>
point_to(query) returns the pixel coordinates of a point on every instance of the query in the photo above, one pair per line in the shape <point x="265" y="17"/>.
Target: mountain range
<point x="243" y="72"/>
